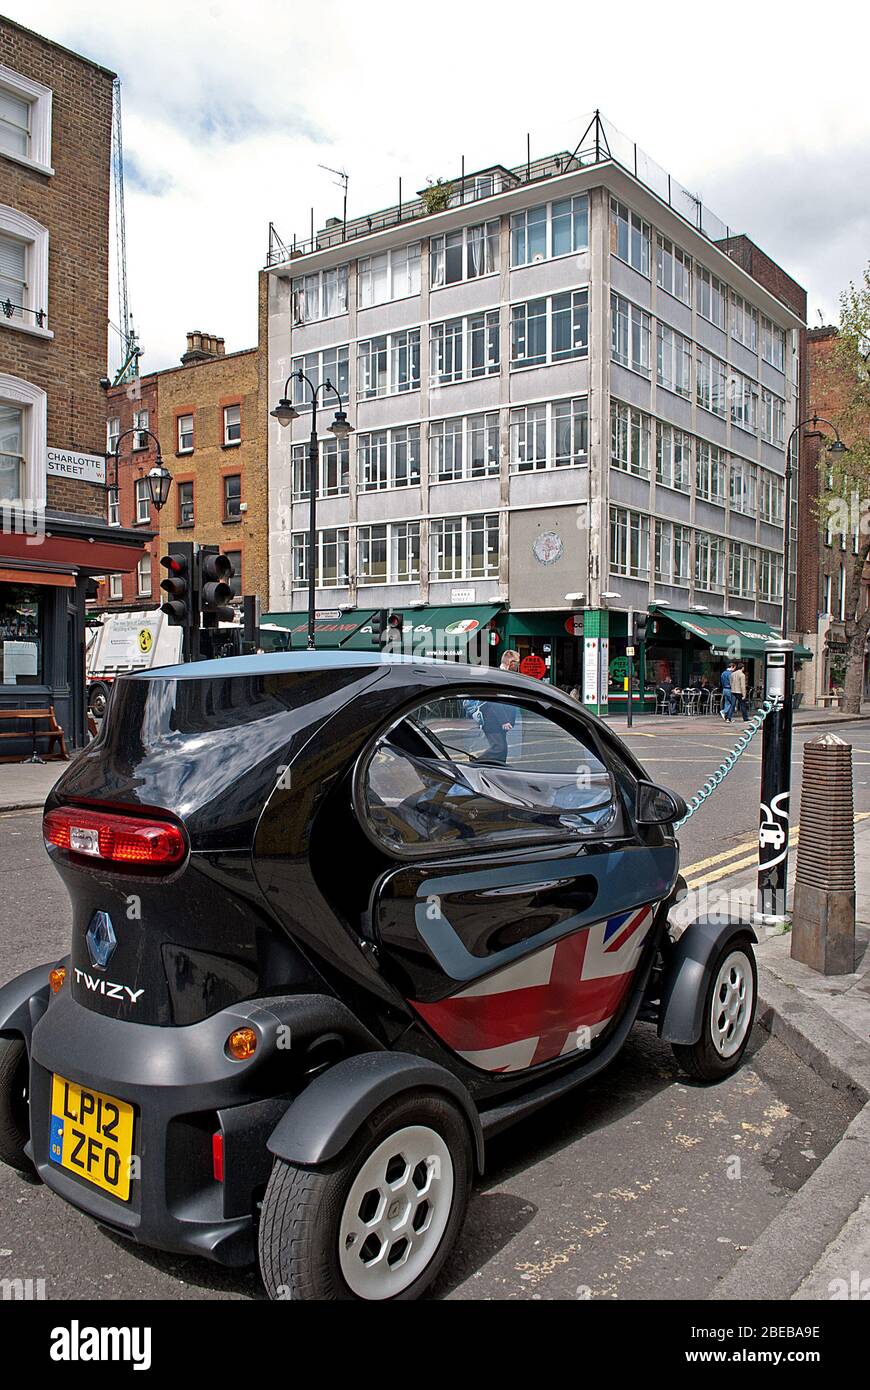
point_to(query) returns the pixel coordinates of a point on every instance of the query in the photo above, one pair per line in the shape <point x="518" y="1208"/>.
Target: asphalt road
<point x="640" y="1185"/>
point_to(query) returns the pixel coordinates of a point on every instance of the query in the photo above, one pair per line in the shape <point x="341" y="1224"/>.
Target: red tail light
<point x="115" y="838"/>
<point x="217" y="1156"/>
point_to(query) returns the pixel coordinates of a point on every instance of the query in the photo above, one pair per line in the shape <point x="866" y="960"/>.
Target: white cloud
<point x="230" y="107"/>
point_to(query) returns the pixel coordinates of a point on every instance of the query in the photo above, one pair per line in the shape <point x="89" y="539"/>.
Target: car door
<point x="521" y="895"/>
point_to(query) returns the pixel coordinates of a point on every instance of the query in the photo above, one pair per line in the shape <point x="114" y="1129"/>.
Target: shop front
<point x="45" y="574"/>
<point x="550" y="646"/>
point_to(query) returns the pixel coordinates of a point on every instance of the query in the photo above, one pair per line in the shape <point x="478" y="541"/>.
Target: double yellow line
<point x="732" y="860"/>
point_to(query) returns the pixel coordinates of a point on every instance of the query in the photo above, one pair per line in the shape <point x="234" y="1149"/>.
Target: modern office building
<point x="570" y="399"/>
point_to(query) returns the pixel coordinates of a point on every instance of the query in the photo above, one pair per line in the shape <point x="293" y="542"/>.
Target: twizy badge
<point x="105" y="987"/>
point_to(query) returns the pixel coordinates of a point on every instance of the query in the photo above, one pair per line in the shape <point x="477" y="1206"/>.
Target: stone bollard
<point x="823" y="918"/>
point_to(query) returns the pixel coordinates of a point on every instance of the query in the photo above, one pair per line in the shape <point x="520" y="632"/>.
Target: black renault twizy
<point x="337" y="919"/>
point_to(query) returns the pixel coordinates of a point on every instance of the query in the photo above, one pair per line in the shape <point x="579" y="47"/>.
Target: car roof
<point x="280" y="663"/>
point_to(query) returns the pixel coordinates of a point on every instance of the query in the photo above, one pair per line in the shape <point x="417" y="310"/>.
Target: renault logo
<point x="101" y="940"/>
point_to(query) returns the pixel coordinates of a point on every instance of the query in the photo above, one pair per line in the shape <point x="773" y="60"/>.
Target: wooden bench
<point x="832" y="700"/>
<point x="53" y="732"/>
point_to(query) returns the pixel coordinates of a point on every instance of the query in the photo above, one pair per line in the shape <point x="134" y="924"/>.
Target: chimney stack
<point x="202" y="347"/>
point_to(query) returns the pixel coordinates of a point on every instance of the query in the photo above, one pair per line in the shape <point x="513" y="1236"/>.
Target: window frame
<point x="490" y="524"/>
<point x="365" y="274"/>
<point x="141" y="502"/>
<point x="228" y="425"/>
<point x="637" y="434"/>
<point x="181" y="434"/>
<point x="385" y="474"/>
<point x="668" y="257"/>
<point x="299" y="547"/>
<point x="391" y="540"/>
<point x="626" y="517"/>
<point x="180" y="504"/>
<point x="710" y="289"/>
<point x="674" y="352"/>
<point x="146" y="592"/>
<point x="39" y="99"/>
<point x="465" y="434"/>
<point x="519" y="223"/>
<point x="332" y="454"/>
<point x="231" y="504"/>
<point x="32" y="401"/>
<point x="391" y="351"/>
<point x="438" y="247"/>
<point x="622" y="214"/>
<point x="578" y="311"/>
<point x="300" y="288"/>
<point x="549" y="461"/>
<point x="464" y="341"/>
<point x="316" y="365"/>
<point x="638" y="327"/>
<point x="18" y="226"/>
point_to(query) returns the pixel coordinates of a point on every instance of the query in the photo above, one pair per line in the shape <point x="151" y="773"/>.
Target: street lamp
<point x="284" y="412"/>
<point x="159" y="479"/>
<point x="835" y="447"/>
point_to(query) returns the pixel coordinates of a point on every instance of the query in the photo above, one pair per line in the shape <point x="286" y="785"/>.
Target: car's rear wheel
<point x="379" y="1223"/>
<point x="728" y="1015"/>
<point x="14" y="1104"/>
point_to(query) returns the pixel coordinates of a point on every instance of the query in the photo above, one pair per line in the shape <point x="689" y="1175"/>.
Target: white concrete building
<point x="568" y="402"/>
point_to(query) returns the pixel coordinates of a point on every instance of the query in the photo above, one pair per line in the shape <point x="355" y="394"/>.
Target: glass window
<point x="320" y="295"/>
<point x="630" y="331"/>
<point x="744" y="322"/>
<point x="552" y="329"/>
<point x="465" y="771"/>
<point x="389" y="553"/>
<point x="709" y="562"/>
<point x="464" y="254"/>
<point x="113" y="506"/>
<point x="232" y="424"/>
<point x="15" y="124"/>
<point x="464" y="447"/>
<point x="393" y="274"/>
<point x="143" y="577"/>
<point x="742" y="486"/>
<point x="465" y="547"/>
<point x="185" y="504"/>
<point x="464" y="348"/>
<point x="113" y="433"/>
<point x="673" y="458"/>
<point x="329" y="365"/>
<point x="22" y="629"/>
<point x="741" y="570"/>
<point x="12" y="463"/>
<point x="143" y="499"/>
<point x="673" y="270"/>
<point x="629" y="237"/>
<point x="389" y="364"/>
<point x="773" y="344"/>
<point x="629" y="439"/>
<point x="674" y="361"/>
<point x="772" y="418"/>
<point x="711" y="383"/>
<point x="116" y="586"/>
<point x="333" y="557"/>
<point x="629" y="543"/>
<point x="232" y="496"/>
<point x="13" y="277"/>
<point x="551" y="435"/>
<point x="744" y="402"/>
<point x="551" y="229"/>
<point x="185" y="434"/>
<point x="771" y="501"/>
<point x="235" y="579"/>
<point x="711" y="297"/>
<point x="389" y="458"/>
<point x="710" y="470"/>
<point x="672" y="553"/>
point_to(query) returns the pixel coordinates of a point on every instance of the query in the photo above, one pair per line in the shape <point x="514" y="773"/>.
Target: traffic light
<point x="387" y="627"/>
<point x="180" y="607"/>
<point x="640" y="625"/>
<point x="215" y="572"/>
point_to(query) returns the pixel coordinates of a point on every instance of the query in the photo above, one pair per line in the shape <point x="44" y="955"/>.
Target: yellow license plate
<point x="92" y="1135"/>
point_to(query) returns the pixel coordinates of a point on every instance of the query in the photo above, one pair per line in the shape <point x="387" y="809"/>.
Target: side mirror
<point x="657" y="806"/>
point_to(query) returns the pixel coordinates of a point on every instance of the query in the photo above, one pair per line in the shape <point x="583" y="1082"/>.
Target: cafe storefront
<point x="456" y="632"/>
<point x="45" y="575"/>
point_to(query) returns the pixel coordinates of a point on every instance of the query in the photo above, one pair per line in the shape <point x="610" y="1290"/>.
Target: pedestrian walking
<point x="738" y="691"/>
<point x="498" y="719"/>
<point x="727" y="710"/>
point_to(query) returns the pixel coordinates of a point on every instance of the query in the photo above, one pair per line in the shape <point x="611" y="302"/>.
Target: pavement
<point x="819" y="1247"/>
<point x="24" y="786"/>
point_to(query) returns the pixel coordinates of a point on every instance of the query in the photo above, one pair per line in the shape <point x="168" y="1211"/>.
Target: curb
<point x="785" y="1254"/>
<point x="22" y="806"/>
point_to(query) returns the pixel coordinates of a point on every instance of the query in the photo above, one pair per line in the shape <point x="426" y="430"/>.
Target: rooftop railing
<point x="600" y="143"/>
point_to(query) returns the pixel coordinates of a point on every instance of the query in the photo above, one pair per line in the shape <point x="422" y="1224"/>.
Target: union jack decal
<point x="547" y="1004"/>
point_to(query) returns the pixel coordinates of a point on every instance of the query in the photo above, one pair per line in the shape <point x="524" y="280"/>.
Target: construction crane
<point x="130" y="349"/>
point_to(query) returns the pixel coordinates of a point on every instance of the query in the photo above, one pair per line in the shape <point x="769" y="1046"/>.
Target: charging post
<point x="774" y="811"/>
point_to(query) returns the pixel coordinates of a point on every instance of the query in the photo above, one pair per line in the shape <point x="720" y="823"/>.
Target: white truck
<point x="127" y="642"/>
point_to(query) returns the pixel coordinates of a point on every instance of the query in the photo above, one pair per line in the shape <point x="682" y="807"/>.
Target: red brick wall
<point x="74" y="206"/>
<point x="122" y="402"/>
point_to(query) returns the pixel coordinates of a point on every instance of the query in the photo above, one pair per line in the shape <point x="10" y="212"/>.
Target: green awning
<point x="442" y="632"/>
<point x="332" y="628"/>
<point x="732" y="637"/>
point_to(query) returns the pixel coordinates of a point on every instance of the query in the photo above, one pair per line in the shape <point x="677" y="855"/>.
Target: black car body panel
<point x="510" y="949"/>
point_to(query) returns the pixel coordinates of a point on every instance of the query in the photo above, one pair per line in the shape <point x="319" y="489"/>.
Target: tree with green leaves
<point x="841" y="391"/>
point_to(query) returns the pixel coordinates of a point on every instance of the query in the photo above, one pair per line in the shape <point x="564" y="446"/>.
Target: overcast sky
<point x="230" y="107"/>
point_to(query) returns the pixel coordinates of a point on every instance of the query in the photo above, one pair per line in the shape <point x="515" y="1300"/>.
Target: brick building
<point x="821" y="608"/>
<point x="131" y="420"/>
<point x="211" y="415"/>
<point x="55" y="174"/>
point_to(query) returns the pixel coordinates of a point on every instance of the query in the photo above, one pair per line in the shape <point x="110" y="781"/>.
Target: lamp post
<point x="341" y="427"/>
<point x="159" y="478"/>
<point x="835" y="447"/>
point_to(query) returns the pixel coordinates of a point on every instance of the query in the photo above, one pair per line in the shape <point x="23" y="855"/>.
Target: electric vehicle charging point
<point x="774" y="809"/>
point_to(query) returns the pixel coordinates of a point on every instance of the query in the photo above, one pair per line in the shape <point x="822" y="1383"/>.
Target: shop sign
<point x="534" y="666"/>
<point x="574" y="625"/>
<point x="462" y="595"/>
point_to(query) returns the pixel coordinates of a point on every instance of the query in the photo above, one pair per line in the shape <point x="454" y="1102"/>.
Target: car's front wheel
<point x="727" y="1017"/>
<point x="380" y="1221"/>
